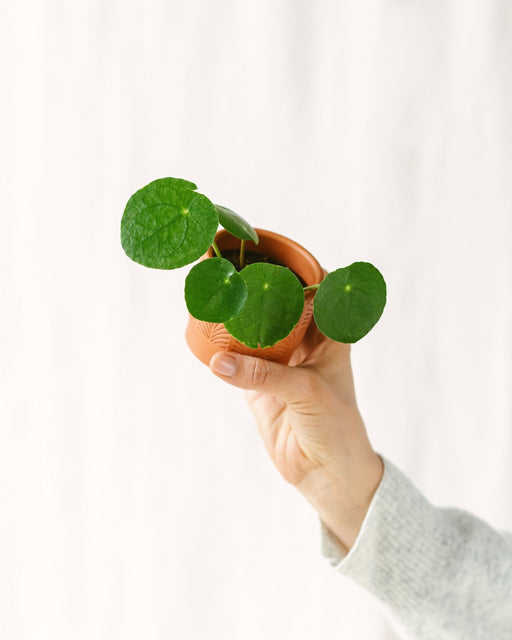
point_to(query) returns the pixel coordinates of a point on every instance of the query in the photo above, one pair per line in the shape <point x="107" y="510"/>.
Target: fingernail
<point x="224" y="364"/>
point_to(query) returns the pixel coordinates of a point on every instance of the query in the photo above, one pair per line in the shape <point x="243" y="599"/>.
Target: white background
<point x="136" y="500"/>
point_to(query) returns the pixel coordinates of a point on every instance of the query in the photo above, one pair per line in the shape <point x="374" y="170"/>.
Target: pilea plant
<point x="168" y="224"/>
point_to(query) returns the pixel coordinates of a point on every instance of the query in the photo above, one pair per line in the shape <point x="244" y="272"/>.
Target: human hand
<point x="308" y="418"/>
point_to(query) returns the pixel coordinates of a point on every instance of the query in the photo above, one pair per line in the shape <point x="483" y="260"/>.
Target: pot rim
<point x="317" y="272"/>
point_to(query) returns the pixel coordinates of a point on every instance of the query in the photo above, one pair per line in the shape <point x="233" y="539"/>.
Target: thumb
<point x="248" y="372"/>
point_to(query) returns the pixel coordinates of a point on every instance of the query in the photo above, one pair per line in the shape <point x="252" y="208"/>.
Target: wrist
<point x="341" y="499"/>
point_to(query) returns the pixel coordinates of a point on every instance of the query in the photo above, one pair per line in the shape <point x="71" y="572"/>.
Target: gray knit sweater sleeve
<point x="440" y="573"/>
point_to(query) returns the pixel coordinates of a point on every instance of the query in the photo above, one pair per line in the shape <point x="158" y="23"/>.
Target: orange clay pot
<point x="206" y="338"/>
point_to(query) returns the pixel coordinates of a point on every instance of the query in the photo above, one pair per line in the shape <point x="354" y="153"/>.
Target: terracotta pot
<point x="206" y="338"/>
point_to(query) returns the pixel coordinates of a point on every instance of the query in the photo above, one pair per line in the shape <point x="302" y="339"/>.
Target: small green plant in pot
<point x="167" y="224"/>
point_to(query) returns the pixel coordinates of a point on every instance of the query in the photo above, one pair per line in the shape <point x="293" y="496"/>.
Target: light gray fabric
<point x="441" y="573"/>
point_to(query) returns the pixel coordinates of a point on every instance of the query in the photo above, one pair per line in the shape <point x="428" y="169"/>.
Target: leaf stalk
<point x="216" y="249"/>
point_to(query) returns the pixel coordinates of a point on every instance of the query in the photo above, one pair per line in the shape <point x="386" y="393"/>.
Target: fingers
<point x="309" y="343"/>
<point x="247" y="372"/>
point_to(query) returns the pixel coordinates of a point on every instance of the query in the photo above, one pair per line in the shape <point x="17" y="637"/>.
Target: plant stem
<point x="311" y="287"/>
<point x="216" y="249"/>
<point x="242" y="254"/>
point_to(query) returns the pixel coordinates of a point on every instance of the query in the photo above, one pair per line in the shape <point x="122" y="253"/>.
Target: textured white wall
<point x="136" y="500"/>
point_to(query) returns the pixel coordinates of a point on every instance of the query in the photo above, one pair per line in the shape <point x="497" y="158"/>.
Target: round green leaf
<point x="273" y="308"/>
<point x="349" y="302"/>
<point x="236" y="225"/>
<point x="167" y="224"/>
<point x="214" y="291"/>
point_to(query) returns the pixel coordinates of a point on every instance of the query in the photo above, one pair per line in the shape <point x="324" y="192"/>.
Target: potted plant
<point x="254" y="291"/>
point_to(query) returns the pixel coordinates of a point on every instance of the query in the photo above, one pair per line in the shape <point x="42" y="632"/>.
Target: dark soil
<point x="251" y="257"/>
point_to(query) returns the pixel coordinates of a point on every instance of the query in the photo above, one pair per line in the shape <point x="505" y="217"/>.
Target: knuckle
<point x="260" y="372"/>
